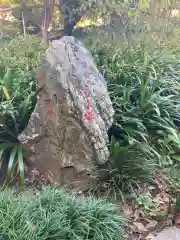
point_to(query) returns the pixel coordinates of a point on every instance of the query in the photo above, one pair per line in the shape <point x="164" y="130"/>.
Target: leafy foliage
<point x="143" y="82"/>
<point x="131" y="164"/>
<point x="53" y="214"/>
<point x="15" y="160"/>
<point x="146" y="202"/>
<point x="18" y="91"/>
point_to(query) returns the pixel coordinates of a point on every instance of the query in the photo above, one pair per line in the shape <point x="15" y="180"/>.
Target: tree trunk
<point x="48" y="13"/>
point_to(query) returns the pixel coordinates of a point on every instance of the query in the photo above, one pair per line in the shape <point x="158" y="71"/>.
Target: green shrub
<point x="143" y="84"/>
<point x="149" y="206"/>
<point x="144" y="89"/>
<point x="18" y="65"/>
<point x="131" y="165"/>
<point x="54" y="214"/>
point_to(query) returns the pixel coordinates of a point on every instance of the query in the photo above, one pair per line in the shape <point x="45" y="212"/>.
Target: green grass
<point x="143" y="85"/>
<point x="18" y="69"/>
<point x="54" y="214"/>
<point x="3" y="43"/>
<point x="18" y="91"/>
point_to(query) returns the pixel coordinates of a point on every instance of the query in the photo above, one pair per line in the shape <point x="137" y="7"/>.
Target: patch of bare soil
<point x="33" y="179"/>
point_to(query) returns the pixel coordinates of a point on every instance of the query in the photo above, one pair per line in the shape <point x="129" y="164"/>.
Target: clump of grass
<point x="19" y="61"/>
<point x="143" y="84"/>
<point x="54" y="214"/>
<point x="18" y="69"/>
<point x="131" y="165"/>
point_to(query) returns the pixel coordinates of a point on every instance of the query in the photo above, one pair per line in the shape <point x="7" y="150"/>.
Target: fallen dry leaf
<point x="133" y="228"/>
<point x="165" y="196"/>
<point x="140" y="227"/>
<point x="151" y="224"/>
<point x="161" y="182"/>
<point x="161" y="201"/>
<point x="128" y="210"/>
<point x="150" y="237"/>
<point x="138" y="213"/>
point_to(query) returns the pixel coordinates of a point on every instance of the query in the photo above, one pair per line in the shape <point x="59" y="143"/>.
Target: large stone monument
<point x="66" y="138"/>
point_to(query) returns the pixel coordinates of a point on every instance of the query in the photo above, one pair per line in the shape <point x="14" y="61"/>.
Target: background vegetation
<point x="137" y="49"/>
<point x="143" y="85"/>
<point x="140" y="63"/>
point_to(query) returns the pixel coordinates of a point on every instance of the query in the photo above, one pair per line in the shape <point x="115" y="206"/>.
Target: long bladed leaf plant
<point x="18" y="95"/>
<point x="144" y="88"/>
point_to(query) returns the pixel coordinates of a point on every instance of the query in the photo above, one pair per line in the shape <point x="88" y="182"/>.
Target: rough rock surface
<point x="66" y="137"/>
